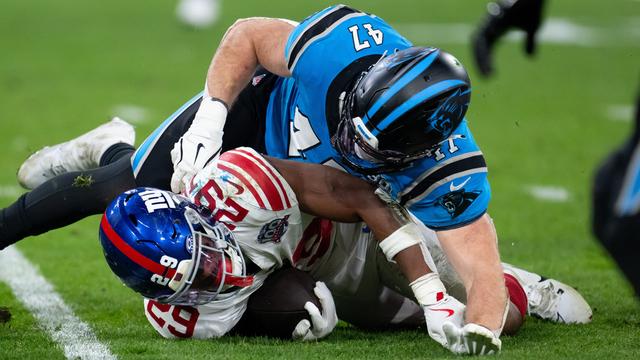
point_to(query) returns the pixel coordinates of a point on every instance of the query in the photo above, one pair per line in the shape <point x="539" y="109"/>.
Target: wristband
<point x="210" y="118"/>
<point x="405" y="237"/>
<point x="428" y="289"/>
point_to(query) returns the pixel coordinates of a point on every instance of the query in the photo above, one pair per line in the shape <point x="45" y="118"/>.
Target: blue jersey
<point x="326" y="53"/>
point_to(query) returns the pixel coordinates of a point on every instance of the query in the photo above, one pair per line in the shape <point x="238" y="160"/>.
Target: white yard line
<point x="548" y="193"/>
<point x="10" y="191"/>
<point x="619" y="112"/>
<point x="133" y="114"/>
<point x="73" y="335"/>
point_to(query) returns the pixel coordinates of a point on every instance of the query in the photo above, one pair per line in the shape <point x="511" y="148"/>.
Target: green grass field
<point x="66" y="66"/>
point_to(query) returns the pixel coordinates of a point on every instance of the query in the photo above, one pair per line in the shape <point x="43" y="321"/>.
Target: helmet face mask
<point x="170" y="250"/>
<point x="404" y="106"/>
<point x="216" y="257"/>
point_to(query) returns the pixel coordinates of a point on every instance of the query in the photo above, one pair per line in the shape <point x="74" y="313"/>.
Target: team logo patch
<point x="457" y="202"/>
<point x="273" y="231"/>
<point x="257" y="79"/>
<point x="189" y="245"/>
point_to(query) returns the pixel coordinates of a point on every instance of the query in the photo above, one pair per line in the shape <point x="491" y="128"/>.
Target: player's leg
<point x="81" y="153"/>
<point x="71" y="196"/>
<point x="67" y="198"/>
<point x="551" y="299"/>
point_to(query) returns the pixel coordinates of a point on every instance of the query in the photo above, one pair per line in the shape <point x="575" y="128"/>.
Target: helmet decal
<point x="399" y="109"/>
<point x="453" y="107"/>
<point x="416" y="100"/>
<point x="132" y="253"/>
<point x="399" y="84"/>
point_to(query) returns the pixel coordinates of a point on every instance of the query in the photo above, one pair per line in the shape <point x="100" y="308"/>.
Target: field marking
<point x="620" y="112"/>
<point x="548" y="193"/>
<point x="10" y="191"/>
<point x="72" y="334"/>
<point x="559" y="31"/>
<point x="133" y="114"/>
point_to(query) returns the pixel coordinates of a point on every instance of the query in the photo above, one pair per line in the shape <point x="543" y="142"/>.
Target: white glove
<point x="447" y="310"/>
<point x="200" y="144"/>
<point x="321" y="324"/>
<point x="472" y="339"/>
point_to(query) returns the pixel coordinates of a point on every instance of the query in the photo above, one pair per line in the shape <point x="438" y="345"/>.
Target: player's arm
<point x="329" y="193"/>
<point x="473" y="251"/>
<point x="246" y="44"/>
<point x="333" y="194"/>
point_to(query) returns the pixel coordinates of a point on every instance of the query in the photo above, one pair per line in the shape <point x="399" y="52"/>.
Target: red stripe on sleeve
<point x="132" y="253"/>
<point x="268" y="166"/>
<point x="258" y="175"/>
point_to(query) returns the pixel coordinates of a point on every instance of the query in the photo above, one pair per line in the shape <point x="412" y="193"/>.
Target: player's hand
<point x="447" y="310"/>
<point x="321" y="324"/>
<point x="471" y="339"/>
<point x="504" y="15"/>
<point x="200" y="144"/>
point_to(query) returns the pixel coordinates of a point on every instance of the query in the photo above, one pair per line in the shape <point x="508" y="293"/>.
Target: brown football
<point x="278" y="306"/>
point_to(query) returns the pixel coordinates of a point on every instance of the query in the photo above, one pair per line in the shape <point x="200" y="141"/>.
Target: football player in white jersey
<point x="254" y="212"/>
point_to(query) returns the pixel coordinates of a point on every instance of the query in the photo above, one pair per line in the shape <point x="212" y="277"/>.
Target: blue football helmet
<point x="170" y="250"/>
<point x="403" y="106"/>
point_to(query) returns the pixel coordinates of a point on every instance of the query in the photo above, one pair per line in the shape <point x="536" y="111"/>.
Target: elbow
<point x="237" y="29"/>
<point x="241" y="28"/>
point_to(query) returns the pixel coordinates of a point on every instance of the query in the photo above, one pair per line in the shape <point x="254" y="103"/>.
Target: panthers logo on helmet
<point x="457" y="202"/>
<point x="453" y="107"/>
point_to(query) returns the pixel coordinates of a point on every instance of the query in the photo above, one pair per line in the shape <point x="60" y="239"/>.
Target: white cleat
<point x="81" y="153"/>
<point x="550" y="299"/>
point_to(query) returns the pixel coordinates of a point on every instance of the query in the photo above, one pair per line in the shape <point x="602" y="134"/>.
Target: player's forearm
<point x="486" y="297"/>
<point x="473" y="251"/>
<point x="247" y="44"/>
<point x="326" y="192"/>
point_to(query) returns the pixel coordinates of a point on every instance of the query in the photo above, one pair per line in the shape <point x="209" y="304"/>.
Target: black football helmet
<point x="403" y="106"/>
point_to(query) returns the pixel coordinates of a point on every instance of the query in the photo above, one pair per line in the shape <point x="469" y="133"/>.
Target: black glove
<point x="506" y="14"/>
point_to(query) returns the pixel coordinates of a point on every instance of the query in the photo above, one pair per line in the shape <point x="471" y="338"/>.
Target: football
<point x="278" y="306"/>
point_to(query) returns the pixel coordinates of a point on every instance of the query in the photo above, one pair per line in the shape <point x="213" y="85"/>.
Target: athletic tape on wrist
<point x="405" y="237"/>
<point x="211" y="116"/>
<point x="428" y="289"/>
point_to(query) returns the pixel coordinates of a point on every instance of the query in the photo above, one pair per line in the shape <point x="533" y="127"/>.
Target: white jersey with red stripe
<point x="243" y="190"/>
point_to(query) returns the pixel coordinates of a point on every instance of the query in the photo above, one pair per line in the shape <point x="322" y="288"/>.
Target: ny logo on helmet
<point x="452" y="108"/>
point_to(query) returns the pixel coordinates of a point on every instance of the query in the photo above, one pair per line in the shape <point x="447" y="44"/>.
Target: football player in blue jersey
<point x="341" y="88"/>
<point x="355" y="94"/>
